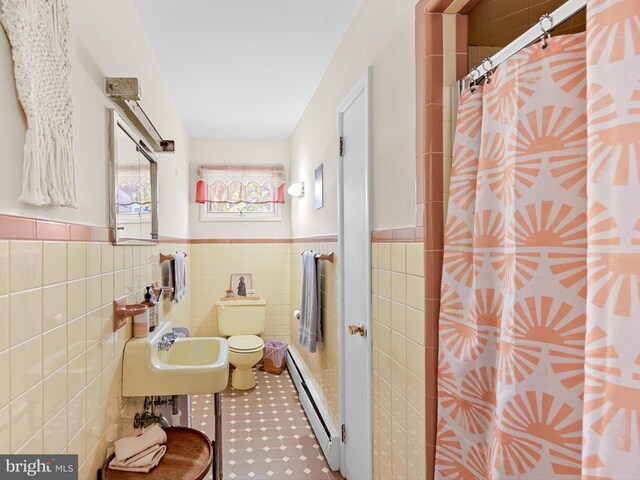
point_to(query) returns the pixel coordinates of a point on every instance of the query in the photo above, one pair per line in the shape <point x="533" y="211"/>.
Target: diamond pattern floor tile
<point x="265" y="432"/>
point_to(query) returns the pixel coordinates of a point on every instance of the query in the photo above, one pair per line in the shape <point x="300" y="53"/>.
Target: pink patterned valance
<point x="233" y="184"/>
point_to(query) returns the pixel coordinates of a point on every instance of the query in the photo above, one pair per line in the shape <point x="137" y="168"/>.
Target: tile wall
<point x="60" y="361"/>
<point x="398" y="337"/>
<point x="322" y="366"/>
<point x="211" y="267"/>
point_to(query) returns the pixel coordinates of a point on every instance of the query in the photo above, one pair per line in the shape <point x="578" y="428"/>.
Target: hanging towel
<point x="166" y="271"/>
<point x="180" y="276"/>
<point x="310" y="326"/>
<point x="141" y="453"/>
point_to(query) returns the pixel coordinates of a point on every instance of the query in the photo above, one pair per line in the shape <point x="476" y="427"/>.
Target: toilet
<point x="242" y="322"/>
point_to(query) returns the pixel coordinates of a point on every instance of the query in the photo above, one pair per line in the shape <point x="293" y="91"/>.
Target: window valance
<point x="234" y="184"/>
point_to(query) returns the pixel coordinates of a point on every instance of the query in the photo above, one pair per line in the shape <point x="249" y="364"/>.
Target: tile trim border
<point x="13" y="227"/>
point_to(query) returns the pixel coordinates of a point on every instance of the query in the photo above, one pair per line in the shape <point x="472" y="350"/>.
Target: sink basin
<point x="195" y="365"/>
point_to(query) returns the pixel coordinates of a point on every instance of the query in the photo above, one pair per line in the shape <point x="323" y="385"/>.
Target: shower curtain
<point x="539" y="360"/>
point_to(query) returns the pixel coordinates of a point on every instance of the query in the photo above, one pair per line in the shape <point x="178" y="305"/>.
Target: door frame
<point x="362" y="87"/>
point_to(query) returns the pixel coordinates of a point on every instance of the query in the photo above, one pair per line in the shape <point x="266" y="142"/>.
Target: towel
<point x="310" y="326"/>
<point x="130" y="449"/>
<point x="142" y="462"/>
<point x="180" y="276"/>
<point x="166" y="271"/>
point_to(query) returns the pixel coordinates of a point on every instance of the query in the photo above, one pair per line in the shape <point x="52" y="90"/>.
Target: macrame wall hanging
<point x="39" y="34"/>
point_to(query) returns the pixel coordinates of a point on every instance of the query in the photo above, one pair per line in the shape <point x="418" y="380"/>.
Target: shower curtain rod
<point x="539" y="30"/>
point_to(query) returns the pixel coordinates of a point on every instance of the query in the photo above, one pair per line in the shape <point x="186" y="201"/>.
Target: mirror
<point x="134" y="186"/>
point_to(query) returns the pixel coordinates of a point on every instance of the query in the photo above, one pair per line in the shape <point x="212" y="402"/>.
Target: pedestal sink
<point x="195" y="365"/>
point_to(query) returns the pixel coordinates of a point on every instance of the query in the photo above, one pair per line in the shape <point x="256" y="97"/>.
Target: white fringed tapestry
<point x="39" y="35"/>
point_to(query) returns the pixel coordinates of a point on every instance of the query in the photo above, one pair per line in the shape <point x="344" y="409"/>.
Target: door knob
<point x="360" y="328"/>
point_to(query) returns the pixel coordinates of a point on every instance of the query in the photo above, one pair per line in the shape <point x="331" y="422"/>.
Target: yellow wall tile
<point x="4" y="378"/>
<point x="54" y="306"/>
<point x="415" y="259"/>
<point x="76" y="298"/>
<point x="4" y="323"/>
<point x="76" y="375"/>
<point x="76" y="260"/>
<point x="107" y="260"/>
<point x="94" y="293"/>
<point x="25" y="266"/>
<point x="54" y="349"/>
<point x="415" y="292"/>
<point x="26" y="316"/>
<point x="4" y="267"/>
<point x="399" y="287"/>
<point x="55" y="433"/>
<point x="76" y="337"/>
<point x="384" y="256"/>
<point x="94" y="259"/>
<point x="55" y="392"/>
<point x="25" y="362"/>
<point x="398" y="257"/>
<point x="384" y="283"/>
<point x="5" y="441"/>
<point x="54" y="263"/>
<point x="415" y="358"/>
<point x="415" y="325"/>
<point x="26" y="416"/>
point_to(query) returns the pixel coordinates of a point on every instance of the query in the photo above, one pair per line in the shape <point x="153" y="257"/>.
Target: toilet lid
<point x="245" y="342"/>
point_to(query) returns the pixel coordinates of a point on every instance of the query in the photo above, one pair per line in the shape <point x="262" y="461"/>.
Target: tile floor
<point x="266" y="434"/>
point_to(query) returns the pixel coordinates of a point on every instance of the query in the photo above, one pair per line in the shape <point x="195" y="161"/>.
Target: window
<point x="240" y="192"/>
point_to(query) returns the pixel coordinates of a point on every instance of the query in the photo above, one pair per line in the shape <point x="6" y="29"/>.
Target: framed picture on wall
<point x="240" y="283"/>
<point x="318" y="188"/>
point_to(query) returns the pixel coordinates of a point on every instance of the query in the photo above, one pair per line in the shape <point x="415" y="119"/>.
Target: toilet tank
<point x="241" y="317"/>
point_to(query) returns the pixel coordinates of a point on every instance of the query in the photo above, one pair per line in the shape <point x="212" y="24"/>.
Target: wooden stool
<point x="189" y="457"/>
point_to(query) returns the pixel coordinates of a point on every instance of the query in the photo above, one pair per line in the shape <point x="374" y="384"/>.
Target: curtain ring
<point x="489" y="69"/>
<point x="475" y="76"/>
<point x="546" y="35"/>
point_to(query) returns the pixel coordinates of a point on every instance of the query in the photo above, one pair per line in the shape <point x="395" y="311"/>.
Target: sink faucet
<point x="166" y="341"/>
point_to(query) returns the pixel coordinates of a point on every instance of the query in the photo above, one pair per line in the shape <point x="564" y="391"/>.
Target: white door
<point x="355" y="282"/>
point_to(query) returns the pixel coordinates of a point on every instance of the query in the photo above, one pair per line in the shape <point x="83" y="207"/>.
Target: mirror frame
<point x="115" y="122"/>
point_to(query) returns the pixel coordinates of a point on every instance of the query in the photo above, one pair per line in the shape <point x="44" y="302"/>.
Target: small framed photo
<point x="240" y="283"/>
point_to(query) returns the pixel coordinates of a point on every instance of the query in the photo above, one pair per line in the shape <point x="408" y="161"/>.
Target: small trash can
<point x="275" y="352"/>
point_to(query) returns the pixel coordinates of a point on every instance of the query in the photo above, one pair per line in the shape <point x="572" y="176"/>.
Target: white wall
<point x="210" y="151"/>
<point x="107" y="39"/>
<point x="382" y="35"/>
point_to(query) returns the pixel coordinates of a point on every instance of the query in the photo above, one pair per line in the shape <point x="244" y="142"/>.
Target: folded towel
<point x="143" y="462"/>
<point x="180" y="276"/>
<point x="129" y="447"/>
<point x="310" y="327"/>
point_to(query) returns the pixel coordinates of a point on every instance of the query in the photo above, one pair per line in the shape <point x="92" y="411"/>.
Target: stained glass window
<point x="240" y="189"/>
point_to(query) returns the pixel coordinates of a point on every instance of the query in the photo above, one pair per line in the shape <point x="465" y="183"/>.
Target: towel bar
<point x="323" y="256"/>
<point x="169" y="257"/>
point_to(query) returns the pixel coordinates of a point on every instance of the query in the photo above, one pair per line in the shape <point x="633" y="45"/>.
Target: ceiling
<point x="244" y="68"/>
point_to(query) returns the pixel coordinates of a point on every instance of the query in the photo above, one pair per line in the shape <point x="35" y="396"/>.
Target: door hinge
<point x="344" y="433"/>
<point x="342" y="146"/>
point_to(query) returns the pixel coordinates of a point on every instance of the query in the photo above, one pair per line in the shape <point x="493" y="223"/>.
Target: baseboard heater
<point x="319" y="418"/>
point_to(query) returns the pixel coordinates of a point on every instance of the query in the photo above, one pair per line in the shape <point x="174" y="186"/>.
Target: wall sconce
<point x="296" y="190"/>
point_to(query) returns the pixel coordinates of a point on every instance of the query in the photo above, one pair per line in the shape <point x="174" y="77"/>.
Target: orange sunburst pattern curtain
<point x="539" y="364"/>
<point x="612" y="357"/>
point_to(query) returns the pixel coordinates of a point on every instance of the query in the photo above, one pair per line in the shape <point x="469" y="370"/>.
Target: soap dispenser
<point x="149" y="301"/>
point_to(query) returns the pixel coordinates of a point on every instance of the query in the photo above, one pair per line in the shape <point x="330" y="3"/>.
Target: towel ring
<point x="546" y="35"/>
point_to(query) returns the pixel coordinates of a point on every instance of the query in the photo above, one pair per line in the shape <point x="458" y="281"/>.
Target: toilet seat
<point x="245" y="343"/>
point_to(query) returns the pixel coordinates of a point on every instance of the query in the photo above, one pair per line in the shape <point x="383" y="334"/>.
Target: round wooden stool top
<point x="188" y="457"/>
